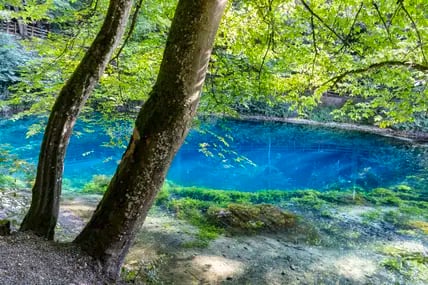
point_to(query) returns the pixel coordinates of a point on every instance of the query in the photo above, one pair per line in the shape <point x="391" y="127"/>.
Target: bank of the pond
<point x="409" y="136"/>
<point x="345" y="237"/>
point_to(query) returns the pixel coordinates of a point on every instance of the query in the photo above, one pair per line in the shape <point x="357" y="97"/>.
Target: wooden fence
<point x="23" y="30"/>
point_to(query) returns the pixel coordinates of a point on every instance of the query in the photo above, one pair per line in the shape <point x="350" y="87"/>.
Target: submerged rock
<point x="251" y="218"/>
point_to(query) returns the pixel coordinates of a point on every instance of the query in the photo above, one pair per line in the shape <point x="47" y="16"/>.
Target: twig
<point x="322" y="22"/>
<point x="395" y="13"/>
<point x="383" y="22"/>
<point x="348" y="37"/>
<point x="351" y="29"/>
<point x="271" y="29"/>
<point x="421" y="45"/>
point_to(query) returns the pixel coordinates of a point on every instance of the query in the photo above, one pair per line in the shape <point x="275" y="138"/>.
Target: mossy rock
<point x="238" y="218"/>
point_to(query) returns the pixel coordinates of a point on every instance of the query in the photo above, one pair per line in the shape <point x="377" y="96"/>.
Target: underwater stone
<point x="251" y="218"/>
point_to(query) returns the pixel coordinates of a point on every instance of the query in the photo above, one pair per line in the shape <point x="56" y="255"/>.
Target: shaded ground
<point x="340" y="249"/>
<point x="26" y="259"/>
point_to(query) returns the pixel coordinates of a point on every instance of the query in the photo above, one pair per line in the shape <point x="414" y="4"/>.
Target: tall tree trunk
<point x="160" y="129"/>
<point x="43" y="213"/>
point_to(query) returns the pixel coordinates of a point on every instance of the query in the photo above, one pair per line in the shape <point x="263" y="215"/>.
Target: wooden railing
<point x="23" y="30"/>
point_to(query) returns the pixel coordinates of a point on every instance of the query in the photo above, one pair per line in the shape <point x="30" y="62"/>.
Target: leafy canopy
<point x="268" y="53"/>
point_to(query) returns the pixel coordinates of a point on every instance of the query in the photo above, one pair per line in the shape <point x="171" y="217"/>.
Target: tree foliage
<point x="269" y="53"/>
<point x="294" y="51"/>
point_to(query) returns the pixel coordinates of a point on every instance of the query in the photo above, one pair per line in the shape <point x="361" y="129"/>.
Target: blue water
<point x="238" y="155"/>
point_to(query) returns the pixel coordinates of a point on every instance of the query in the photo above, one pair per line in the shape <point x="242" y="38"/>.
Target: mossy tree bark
<point x="43" y="213"/>
<point x="160" y="129"/>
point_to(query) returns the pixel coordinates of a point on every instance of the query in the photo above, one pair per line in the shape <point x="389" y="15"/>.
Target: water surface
<point x="239" y="155"/>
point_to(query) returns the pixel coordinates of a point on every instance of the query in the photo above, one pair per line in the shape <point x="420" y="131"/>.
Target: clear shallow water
<point x="237" y="155"/>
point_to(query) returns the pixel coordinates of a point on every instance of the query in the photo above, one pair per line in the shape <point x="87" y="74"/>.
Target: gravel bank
<point x="27" y="259"/>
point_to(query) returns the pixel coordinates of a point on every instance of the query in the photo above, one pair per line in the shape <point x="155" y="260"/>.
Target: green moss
<point x="98" y="184"/>
<point x="205" y="234"/>
<point x="412" y="264"/>
<point x="7" y="181"/>
<point x="396" y="218"/>
<point x="372" y="216"/>
<point x="223" y="198"/>
<point x="420" y="225"/>
<point x="403" y="188"/>
<point x="384" y="196"/>
<point x="188" y="208"/>
<point x="10" y="182"/>
<point x="163" y="196"/>
<point x="144" y="272"/>
<point x="193" y="211"/>
<point x="393" y="263"/>
<point x="413" y="210"/>
<point x="349" y="197"/>
<point x="195" y="204"/>
<point x="310" y="199"/>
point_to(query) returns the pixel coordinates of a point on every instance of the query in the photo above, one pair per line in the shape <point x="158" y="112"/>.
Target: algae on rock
<point x="239" y="218"/>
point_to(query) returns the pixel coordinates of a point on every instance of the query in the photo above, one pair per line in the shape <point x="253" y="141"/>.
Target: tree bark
<point x="43" y="213"/>
<point x="160" y="129"/>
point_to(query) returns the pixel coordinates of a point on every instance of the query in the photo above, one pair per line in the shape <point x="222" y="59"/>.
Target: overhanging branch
<point x="340" y="77"/>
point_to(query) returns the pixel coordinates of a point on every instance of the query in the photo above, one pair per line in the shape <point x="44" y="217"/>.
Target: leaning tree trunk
<point x="160" y="128"/>
<point x="43" y="213"/>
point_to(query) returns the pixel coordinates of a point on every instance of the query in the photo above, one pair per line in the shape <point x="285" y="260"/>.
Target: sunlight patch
<point x="407" y="246"/>
<point x="355" y="267"/>
<point x="217" y="268"/>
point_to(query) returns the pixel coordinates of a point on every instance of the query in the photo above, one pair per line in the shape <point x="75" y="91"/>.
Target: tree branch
<point x="348" y="37"/>
<point x="314" y="40"/>
<point x="351" y="29"/>
<point x="421" y="45"/>
<point x="322" y="22"/>
<point x="383" y="22"/>
<point x="131" y="29"/>
<point x="271" y="28"/>
<point x="338" y="78"/>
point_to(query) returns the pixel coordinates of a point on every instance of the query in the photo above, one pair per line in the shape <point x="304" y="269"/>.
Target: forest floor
<point x="344" y="251"/>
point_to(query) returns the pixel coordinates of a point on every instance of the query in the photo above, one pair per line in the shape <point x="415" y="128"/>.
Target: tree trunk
<point x="43" y="213"/>
<point x="160" y="129"/>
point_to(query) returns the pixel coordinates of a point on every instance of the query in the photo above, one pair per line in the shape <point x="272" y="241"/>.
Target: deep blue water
<point x="239" y="155"/>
